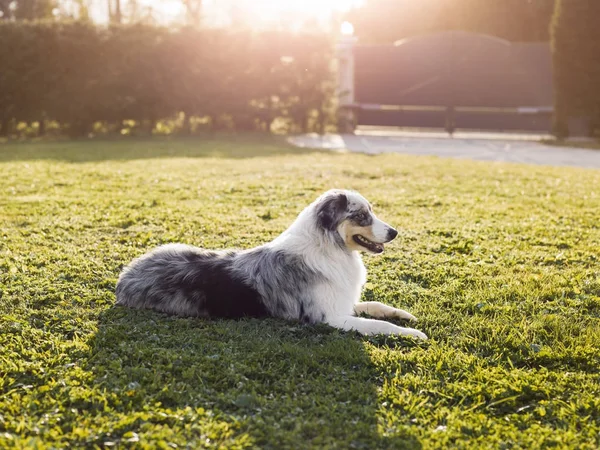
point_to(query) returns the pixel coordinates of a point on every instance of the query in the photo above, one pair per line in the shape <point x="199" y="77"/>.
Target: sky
<point x="258" y="13"/>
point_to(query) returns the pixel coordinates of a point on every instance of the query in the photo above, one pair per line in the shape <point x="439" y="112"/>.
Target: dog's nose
<point x="392" y="234"/>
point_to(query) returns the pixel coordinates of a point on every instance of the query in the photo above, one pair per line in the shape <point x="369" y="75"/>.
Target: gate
<point x="454" y="80"/>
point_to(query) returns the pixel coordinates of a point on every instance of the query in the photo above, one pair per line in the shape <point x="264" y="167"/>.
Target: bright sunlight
<point x="267" y="12"/>
<point x="247" y="13"/>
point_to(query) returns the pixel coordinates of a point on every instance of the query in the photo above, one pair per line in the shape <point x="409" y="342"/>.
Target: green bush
<point x="576" y="54"/>
<point x="78" y="74"/>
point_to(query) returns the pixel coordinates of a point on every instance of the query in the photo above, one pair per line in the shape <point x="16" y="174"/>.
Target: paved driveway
<point x="525" y="149"/>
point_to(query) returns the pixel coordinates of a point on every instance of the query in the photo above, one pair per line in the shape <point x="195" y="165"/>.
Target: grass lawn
<point x="500" y="262"/>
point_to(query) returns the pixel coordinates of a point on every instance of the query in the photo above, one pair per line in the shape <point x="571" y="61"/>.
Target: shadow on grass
<point x="208" y="146"/>
<point x="277" y="384"/>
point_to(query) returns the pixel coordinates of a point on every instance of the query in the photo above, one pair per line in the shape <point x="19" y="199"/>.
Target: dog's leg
<point x="372" y="326"/>
<point x="381" y="311"/>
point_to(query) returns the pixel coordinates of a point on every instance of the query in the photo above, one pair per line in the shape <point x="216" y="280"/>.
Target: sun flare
<point x="246" y="13"/>
<point x="260" y="12"/>
<point x="276" y="7"/>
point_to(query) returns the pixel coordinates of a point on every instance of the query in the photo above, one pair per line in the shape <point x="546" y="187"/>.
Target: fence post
<point x="450" y="120"/>
<point x="345" y="81"/>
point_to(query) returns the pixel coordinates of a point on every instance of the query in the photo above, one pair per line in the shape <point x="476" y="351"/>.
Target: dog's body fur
<point x="313" y="272"/>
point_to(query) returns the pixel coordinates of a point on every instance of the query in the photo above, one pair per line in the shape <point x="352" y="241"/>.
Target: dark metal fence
<point x="455" y="80"/>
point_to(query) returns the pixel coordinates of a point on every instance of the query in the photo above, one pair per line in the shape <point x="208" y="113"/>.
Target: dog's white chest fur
<point x="342" y="287"/>
<point x="342" y="273"/>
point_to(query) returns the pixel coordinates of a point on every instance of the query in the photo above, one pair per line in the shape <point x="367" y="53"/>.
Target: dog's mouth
<point x="373" y="247"/>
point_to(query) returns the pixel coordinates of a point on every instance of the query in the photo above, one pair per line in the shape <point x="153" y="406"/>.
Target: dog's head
<point x="350" y="218"/>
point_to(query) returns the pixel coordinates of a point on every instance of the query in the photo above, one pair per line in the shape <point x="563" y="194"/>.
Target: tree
<point x="26" y="9"/>
<point x="114" y="11"/>
<point x="385" y="21"/>
<point x="5" y="11"/>
<point x="576" y="57"/>
<point x="193" y="10"/>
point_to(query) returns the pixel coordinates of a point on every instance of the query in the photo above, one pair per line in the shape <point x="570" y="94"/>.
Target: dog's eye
<point x="361" y="217"/>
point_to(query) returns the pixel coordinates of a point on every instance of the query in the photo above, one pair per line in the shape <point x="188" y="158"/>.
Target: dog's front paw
<point x="414" y="333"/>
<point x="391" y="329"/>
<point x="405" y="315"/>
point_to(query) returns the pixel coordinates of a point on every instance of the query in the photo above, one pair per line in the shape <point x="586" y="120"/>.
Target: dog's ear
<point x="331" y="209"/>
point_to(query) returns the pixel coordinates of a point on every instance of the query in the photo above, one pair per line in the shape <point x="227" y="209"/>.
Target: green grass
<point x="500" y="262"/>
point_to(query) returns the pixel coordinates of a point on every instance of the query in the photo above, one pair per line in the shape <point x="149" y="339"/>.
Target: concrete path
<point x="515" y="148"/>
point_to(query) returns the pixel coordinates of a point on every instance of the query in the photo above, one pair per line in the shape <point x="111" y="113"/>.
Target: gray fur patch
<point x="283" y="280"/>
<point x="187" y="281"/>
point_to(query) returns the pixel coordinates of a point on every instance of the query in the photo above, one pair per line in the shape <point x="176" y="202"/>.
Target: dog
<point x="313" y="272"/>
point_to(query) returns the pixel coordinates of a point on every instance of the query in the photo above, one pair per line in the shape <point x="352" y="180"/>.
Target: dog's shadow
<point x="269" y="383"/>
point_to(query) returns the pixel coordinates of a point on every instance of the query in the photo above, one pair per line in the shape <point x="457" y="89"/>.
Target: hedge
<point x="576" y="55"/>
<point x="79" y="75"/>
